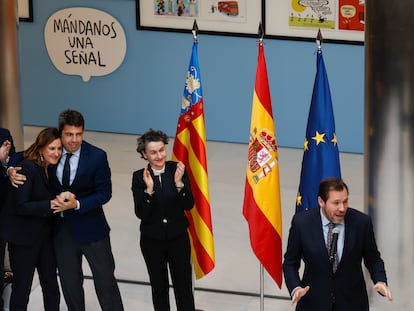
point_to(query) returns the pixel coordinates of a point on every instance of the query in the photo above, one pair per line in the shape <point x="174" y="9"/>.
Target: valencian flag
<point x="320" y="149"/>
<point x="190" y="148"/>
<point x="262" y="203"/>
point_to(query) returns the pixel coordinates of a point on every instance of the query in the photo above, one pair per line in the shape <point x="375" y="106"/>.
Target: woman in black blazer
<point x="28" y="224"/>
<point x="162" y="194"/>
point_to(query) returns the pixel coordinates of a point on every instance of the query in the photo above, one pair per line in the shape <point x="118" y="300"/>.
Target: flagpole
<point x="262" y="204"/>
<point x="261" y="35"/>
<point x="194" y="31"/>
<point x="261" y="287"/>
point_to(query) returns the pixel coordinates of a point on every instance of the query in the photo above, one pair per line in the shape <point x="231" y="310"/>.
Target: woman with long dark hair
<point x="28" y="224"/>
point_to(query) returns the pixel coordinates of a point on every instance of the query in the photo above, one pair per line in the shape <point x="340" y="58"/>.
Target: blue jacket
<point x="93" y="188"/>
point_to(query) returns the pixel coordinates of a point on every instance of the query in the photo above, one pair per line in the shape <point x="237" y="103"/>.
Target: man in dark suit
<point x="6" y="150"/>
<point x="81" y="226"/>
<point x="322" y="287"/>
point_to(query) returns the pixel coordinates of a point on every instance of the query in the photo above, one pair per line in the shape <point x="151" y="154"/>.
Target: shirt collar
<point x="158" y="172"/>
<point x="326" y="221"/>
<point x="75" y="153"/>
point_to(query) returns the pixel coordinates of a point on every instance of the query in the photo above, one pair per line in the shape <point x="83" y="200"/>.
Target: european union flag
<point x="320" y="149"/>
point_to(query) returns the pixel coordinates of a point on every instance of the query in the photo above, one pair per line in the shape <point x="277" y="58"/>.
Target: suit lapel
<point x="350" y="236"/>
<point x="320" y="236"/>
<point x="83" y="157"/>
<point x="315" y="233"/>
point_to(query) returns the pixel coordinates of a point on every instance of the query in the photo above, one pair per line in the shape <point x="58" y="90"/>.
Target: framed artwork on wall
<point x="25" y="9"/>
<point x="340" y="21"/>
<point x="235" y="18"/>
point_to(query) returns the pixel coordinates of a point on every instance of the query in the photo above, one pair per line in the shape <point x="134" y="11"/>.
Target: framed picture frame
<point x="340" y="21"/>
<point x="25" y="9"/>
<point x="235" y="18"/>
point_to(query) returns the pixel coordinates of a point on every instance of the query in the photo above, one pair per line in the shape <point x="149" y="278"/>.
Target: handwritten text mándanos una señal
<point x="80" y="39"/>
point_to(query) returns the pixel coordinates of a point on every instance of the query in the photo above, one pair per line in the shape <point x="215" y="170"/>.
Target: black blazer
<point x="306" y="241"/>
<point x="27" y="217"/>
<point x="162" y="214"/>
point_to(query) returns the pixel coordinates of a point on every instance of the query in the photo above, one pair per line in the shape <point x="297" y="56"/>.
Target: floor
<point x="234" y="284"/>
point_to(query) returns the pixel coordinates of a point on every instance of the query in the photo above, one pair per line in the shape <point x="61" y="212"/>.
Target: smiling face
<point x="52" y="152"/>
<point x="156" y="154"/>
<point x="335" y="206"/>
<point x="72" y="137"/>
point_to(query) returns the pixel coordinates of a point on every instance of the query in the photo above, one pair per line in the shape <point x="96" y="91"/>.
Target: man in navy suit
<point x="82" y="229"/>
<point x="323" y="288"/>
<point x="81" y="226"/>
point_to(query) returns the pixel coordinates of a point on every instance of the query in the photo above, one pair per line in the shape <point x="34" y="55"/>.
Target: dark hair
<point x="70" y="117"/>
<point x="5" y="135"/>
<point x="331" y="183"/>
<point x="43" y="139"/>
<point x="150" y="136"/>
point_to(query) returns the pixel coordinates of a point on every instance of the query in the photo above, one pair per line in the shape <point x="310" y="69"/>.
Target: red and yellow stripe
<point x="190" y="148"/>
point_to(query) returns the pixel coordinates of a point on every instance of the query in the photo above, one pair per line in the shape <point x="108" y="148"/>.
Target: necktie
<point x="66" y="172"/>
<point x="331" y="226"/>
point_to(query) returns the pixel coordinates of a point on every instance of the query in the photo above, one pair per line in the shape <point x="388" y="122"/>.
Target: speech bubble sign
<point x="85" y="42"/>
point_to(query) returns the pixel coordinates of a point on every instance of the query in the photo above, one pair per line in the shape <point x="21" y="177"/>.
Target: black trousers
<point x="175" y="255"/>
<point x="69" y="256"/>
<point x="23" y="261"/>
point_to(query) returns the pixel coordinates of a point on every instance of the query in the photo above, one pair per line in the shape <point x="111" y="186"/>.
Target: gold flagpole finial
<point x="319" y="40"/>
<point x="195" y="30"/>
<point x="260" y="33"/>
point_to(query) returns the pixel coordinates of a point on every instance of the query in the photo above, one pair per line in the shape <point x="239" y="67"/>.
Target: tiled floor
<point x="237" y="269"/>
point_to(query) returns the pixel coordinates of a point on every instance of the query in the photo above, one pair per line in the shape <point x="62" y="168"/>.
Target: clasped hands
<point x="64" y="201"/>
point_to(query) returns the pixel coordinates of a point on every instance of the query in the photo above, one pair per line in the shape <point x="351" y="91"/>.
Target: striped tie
<point x="331" y="226"/>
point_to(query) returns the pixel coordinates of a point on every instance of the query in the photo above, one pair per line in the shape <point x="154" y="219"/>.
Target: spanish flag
<point x="262" y="203"/>
<point x="190" y="148"/>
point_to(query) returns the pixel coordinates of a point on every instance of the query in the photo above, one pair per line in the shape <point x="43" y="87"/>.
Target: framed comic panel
<point x="238" y="18"/>
<point x="339" y="20"/>
<point x="25" y="9"/>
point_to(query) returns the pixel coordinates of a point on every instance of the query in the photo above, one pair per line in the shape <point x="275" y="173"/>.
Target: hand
<point x="299" y="293"/>
<point x="16" y="179"/>
<point x="179" y="173"/>
<point x="4" y="151"/>
<point x="383" y="289"/>
<point x="64" y="201"/>
<point x="148" y="180"/>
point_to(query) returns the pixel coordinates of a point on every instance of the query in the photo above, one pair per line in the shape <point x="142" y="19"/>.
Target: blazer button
<point x="165" y="220"/>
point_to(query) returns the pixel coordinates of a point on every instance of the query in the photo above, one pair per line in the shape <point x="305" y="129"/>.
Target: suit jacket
<point x="347" y="285"/>
<point x="4" y="186"/>
<point x="162" y="215"/>
<point x="27" y="217"/>
<point x="93" y="188"/>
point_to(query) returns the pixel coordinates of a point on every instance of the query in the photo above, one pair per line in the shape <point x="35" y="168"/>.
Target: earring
<point x="41" y="157"/>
